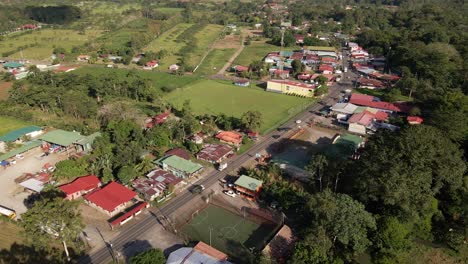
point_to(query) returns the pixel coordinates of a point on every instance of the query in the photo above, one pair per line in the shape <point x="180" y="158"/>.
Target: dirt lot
<point x="13" y="195"/>
<point x="4" y="88"/>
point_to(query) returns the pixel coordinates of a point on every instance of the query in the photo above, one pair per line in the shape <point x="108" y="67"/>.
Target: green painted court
<point x="230" y="233"/>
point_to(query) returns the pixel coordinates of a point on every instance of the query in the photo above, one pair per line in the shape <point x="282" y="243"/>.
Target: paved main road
<point x="136" y="228"/>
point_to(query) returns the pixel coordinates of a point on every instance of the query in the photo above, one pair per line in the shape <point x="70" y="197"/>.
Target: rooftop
<point x="25" y="147"/>
<point x="214" y="152"/>
<point x="85" y="183"/>
<point x="61" y="137"/>
<point x="12" y="64"/>
<point x="298" y="84"/>
<point x="201" y="253"/>
<point x="181" y="164"/>
<point x="111" y="196"/>
<point x="180" y="152"/>
<point x="15" y="134"/>
<point x="248" y="183"/>
<point x="230" y="136"/>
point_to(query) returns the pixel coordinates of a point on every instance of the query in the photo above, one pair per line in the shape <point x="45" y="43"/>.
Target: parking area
<point x="12" y="195"/>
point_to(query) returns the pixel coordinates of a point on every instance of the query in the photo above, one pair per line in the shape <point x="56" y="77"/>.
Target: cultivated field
<point x="8" y="124"/>
<point x="215" y="61"/>
<point x="215" y="97"/>
<point x="4" y="88"/>
<point x="9" y="234"/>
<point x="203" y="42"/>
<point x="39" y="44"/>
<point x="169" y="10"/>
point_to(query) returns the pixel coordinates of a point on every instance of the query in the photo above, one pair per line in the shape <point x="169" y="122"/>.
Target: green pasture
<point x="215" y="59"/>
<point x="215" y="97"/>
<point x="8" y="124"/>
<point x="169" y="10"/>
<point x="257" y="50"/>
<point x="39" y="44"/>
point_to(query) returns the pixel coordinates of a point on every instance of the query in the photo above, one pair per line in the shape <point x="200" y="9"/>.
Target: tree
<point x="71" y="168"/>
<point x="392" y="239"/>
<point x="252" y="120"/>
<point x="144" y="166"/>
<point x="345" y="222"/>
<point x="321" y="90"/>
<point x="314" y="249"/>
<point x="51" y="219"/>
<point x="126" y="174"/>
<point x="317" y="168"/>
<point x="297" y="66"/>
<point x="152" y="256"/>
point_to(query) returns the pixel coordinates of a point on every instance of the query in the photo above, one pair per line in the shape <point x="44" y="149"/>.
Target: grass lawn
<point x="257" y="50"/>
<point x="230" y="233"/>
<point x="159" y="79"/>
<point x="214" y="97"/>
<point x="9" y="234"/>
<point x="169" y="10"/>
<point x="379" y="93"/>
<point x="215" y="59"/>
<point x="8" y="124"/>
<point x="109" y="7"/>
<point x="42" y="42"/>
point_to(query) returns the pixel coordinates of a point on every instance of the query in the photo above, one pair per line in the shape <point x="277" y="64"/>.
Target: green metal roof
<point x="15" y="134"/>
<point x="320" y="48"/>
<point x="89" y="139"/>
<point x="62" y="137"/>
<point x="350" y="140"/>
<point x="12" y="64"/>
<point x="25" y="147"/>
<point x="248" y="183"/>
<point x="182" y="164"/>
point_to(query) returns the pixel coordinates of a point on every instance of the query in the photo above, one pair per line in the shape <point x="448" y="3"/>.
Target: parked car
<point x="298" y="121"/>
<point x="19" y="156"/>
<point x="196" y="189"/>
<point x="229" y="193"/>
<point x="12" y="162"/>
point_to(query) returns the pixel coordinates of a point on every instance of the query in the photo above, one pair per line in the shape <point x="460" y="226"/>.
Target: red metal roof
<point x="370" y="82"/>
<point x="230" y="136"/>
<point x="214" y="152"/>
<point x="414" y="120"/>
<point x="367" y="100"/>
<point x="152" y="63"/>
<point x="210" y="251"/>
<point x="180" y="152"/>
<point x="364" y="118"/>
<point x="111" y="196"/>
<point x="241" y="68"/>
<point x="278" y="72"/>
<point x="324" y="67"/>
<point x="85" y="183"/>
<point x="128" y="214"/>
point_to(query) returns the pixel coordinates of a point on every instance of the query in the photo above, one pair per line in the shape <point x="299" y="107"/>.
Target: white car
<point x="19" y="156"/>
<point x="298" y="121"/>
<point x="12" y="162"/>
<point x="229" y="193"/>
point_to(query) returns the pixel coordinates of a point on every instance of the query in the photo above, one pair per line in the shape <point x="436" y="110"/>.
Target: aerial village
<point x="212" y="161"/>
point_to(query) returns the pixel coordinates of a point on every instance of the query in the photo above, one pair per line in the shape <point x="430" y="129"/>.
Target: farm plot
<point x="215" y="97"/>
<point x="39" y="44"/>
<point x="204" y="39"/>
<point x="4" y="88"/>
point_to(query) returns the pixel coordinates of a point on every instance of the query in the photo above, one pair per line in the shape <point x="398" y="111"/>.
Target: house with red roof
<point x="230" y="137"/>
<point x="239" y="68"/>
<point x="328" y="61"/>
<point x="283" y="74"/>
<point x="326" y="69"/>
<point x="111" y="199"/>
<point x="179" y="152"/>
<point x="414" y="120"/>
<point x="371" y="101"/>
<point x="369" y="83"/>
<point x="80" y="186"/>
<point x="157" y="119"/>
<point x="215" y="153"/>
<point x="83" y="58"/>
<point x="299" y="39"/>
<point x="151" y="65"/>
<point x="297" y="56"/>
<point x="156" y="184"/>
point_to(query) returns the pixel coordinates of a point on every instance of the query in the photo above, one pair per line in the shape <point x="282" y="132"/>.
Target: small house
<point x="111" y="199"/>
<point x="215" y="153"/>
<point x="180" y="167"/>
<point x="80" y="186"/>
<point x="230" y="137"/>
<point x="151" y="65"/>
<point x="174" y="67"/>
<point x="414" y="120"/>
<point x="248" y="187"/>
<point x="242" y="82"/>
<point x="83" y="58"/>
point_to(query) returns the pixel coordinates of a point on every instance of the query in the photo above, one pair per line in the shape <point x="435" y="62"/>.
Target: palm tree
<point x="144" y="166"/>
<point x="317" y="167"/>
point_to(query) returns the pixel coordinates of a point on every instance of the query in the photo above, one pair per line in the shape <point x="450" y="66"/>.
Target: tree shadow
<point x="134" y="247"/>
<point x="238" y="252"/>
<point x="171" y="249"/>
<point x="20" y="254"/>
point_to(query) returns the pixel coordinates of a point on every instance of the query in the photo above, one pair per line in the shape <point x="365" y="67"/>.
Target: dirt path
<point x="234" y="56"/>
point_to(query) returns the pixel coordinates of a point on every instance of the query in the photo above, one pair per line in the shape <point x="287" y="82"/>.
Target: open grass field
<point x="40" y="43"/>
<point x="9" y="234"/>
<point x="159" y="79"/>
<point x="215" y="97"/>
<point x="215" y="59"/>
<point x="257" y="50"/>
<point x="230" y="233"/>
<point x="169" y="10"/>
<point x="203" y="42"/>
<point x="8" y="124"/>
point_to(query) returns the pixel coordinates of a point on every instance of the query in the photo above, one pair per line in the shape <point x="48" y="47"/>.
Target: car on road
<point x="12" y="162"/>
<point x="298" y="121"/>
<point x="197" y="189"/>
<point x="229" y="193"/>
<point x="19" y="156"/>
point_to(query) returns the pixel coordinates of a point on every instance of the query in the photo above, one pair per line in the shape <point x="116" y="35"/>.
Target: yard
<point x="39" y="44"/>
<point x="230" y="233"/>
<point x="257" y="50"/>
<point x="8" y="124"/>
<point x="215" y="97"/>
<point x="9" y="234"/>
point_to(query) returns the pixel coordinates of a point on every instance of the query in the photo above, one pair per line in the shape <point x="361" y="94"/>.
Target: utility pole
<point x="211" y="229"/>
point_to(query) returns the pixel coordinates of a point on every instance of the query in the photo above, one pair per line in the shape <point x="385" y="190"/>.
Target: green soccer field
<point x="215" y="97"/>
<point x="230" y="233"/>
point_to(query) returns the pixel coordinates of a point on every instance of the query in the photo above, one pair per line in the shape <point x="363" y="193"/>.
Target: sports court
<point x="234" y="234"/>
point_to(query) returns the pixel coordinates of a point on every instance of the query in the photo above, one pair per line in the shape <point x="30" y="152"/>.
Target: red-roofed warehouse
<point x="111" y="199"/>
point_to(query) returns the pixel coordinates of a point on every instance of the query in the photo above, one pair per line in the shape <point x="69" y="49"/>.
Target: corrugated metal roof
<point x="62" y="137"/>
<point x="25" y="147"/>
<point x="248" y="183"/>
<point x="182" y="164"/>
<point x="15" y="134"/>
